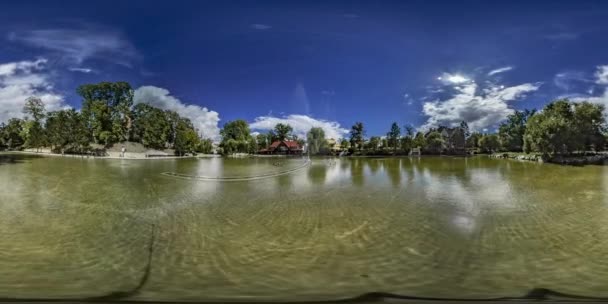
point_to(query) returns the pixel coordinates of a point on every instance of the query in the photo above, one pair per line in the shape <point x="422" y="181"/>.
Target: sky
<point x="310" y="63"/>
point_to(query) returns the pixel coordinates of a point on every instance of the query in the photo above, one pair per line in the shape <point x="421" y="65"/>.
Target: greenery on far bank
<point x="107" y="117"/>
<point x="561" y="128"/>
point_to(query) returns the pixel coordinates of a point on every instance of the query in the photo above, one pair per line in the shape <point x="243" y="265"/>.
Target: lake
<point x="286" y="229"/>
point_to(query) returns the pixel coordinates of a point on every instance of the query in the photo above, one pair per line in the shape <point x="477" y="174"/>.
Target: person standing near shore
<point x="122" y="151"/>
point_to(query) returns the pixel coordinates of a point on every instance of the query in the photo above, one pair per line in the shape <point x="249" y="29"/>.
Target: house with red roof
<point x="283" y="147"/>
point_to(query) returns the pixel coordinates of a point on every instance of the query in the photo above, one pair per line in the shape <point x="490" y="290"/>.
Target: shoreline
<point x="599" y="158"/>
<point x="128" y="155"/>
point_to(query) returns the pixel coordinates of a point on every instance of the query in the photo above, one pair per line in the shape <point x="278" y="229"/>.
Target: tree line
<point x="107" y="116"/>
<point x="561" y="127"/>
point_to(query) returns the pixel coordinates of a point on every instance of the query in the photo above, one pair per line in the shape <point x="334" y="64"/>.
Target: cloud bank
<point x="204" y="120"/>
<point x="301" y="124"/>
<point x="23" y="79"/>
<point x="480" y="108"/>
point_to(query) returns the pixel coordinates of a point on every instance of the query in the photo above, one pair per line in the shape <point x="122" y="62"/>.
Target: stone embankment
<point x="598" y="158"/>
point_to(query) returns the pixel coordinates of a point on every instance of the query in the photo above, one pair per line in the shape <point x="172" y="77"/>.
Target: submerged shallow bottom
<point x="442" y="227"/>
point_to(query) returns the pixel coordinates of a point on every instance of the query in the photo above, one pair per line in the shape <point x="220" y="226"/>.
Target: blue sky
<point x="310" y="63"/>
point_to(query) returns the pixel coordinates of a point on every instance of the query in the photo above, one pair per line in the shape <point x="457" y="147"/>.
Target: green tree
<point x="151" y="126"/>
<point x="511" y="132"/>
<point x="473" y="140"/>
<point x="252" y="145"/>
<point x="344" y="144"/>
<point x="263" y="141"/>
<point x="34" y="108"/>
<point x="393" y="137"/>
<point x="489" y="143"/>
<point x="357" y="133"/>
<point x="590" y="126"/>
<point x="373" y="144"/>
<point x="283" y="131"/>
<point x="551" y="131"/>
<point x="419" y="141"/>
<point x="434" y="142"/>
<point x="186" y="139"/>
<point x="205" y="146"/>
<point x="316" y="140"/>
<point x="235" y="137"/>
<point x="11" y="134"/>
<point x="107" y="109"/>
<point x="66" y="131"/>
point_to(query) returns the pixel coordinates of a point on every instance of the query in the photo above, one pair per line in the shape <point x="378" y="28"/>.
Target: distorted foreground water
<point x="436" y="226"/>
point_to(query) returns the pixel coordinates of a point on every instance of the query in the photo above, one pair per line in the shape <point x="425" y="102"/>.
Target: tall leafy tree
<point x="186" y="139"/>
<point x="235" y="137"/>
<point x="357" y="133"/>
<point x="393" y="136"/>
<point x="35" y="112"/>
<point x="552" y="131"/>
<point x="511" y="132"/>
<point x="263" y="141"/>
<point x="434" y="142"/>
<point x="283" y="131"/>
<point x="152" y="126"/>
<point x="489" y="143"/>
<point x="12" y="134"/>
<point x="316" y="140"/>
<point x="107" y="109"/>
<point x="373" y="144"/>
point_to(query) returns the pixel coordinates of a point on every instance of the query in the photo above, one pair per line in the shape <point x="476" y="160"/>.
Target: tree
<point x="263" y="141"/>
<point x="235" y="137"/>
<point x="11" y="135"/>
<point x="283" y="131"/>
<point x="511" y="132"/>
<point x="66" y="131"/>
<point x="552" y="131"/>
<point x="316" y="140"/>
<point x="205" y="146"/>
<point x="252" y="147"/>
<point x="107" y="109"/>
<point x="419" y="141"/>
<point x="152" y="127"/>
<point x="590" y="126"/>
<point x="373" y="144"/>
<point x="357" y="133"/>
<point x="489" y="143"/>
<point x="344" y="144"/>
<point x="393" y="137"/>
<point x="34" y="131"/>
<point x="434" y="142"/>
<point x="186" y="139"/>
<point x="563" y="127"/>
<point x="473" y="140"/>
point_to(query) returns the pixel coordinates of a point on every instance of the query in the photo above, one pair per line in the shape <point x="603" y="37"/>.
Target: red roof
<point x="291" y="144"/>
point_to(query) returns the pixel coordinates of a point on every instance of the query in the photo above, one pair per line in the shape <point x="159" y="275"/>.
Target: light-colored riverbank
<point x="597" y="158"/>
<point x="110" y="155"/>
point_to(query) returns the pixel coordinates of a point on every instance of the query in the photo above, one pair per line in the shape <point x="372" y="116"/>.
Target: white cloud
<point x="601" y="78"/>
<point x="449" y="79"/>
<point x="301" y="124"/>
<point x="23" y="79"/>
<point x="479" y="108"/>
<point x="258" y="26"/>
<point x="82" y="44"/>
<point x="500" y="70"/>
<point x="601" y="74"/>
<point x="81" y="70"/>
<point x="204" y="120"/>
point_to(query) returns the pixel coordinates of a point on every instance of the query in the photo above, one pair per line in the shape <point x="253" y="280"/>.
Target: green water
<point x="437" y="226"/>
